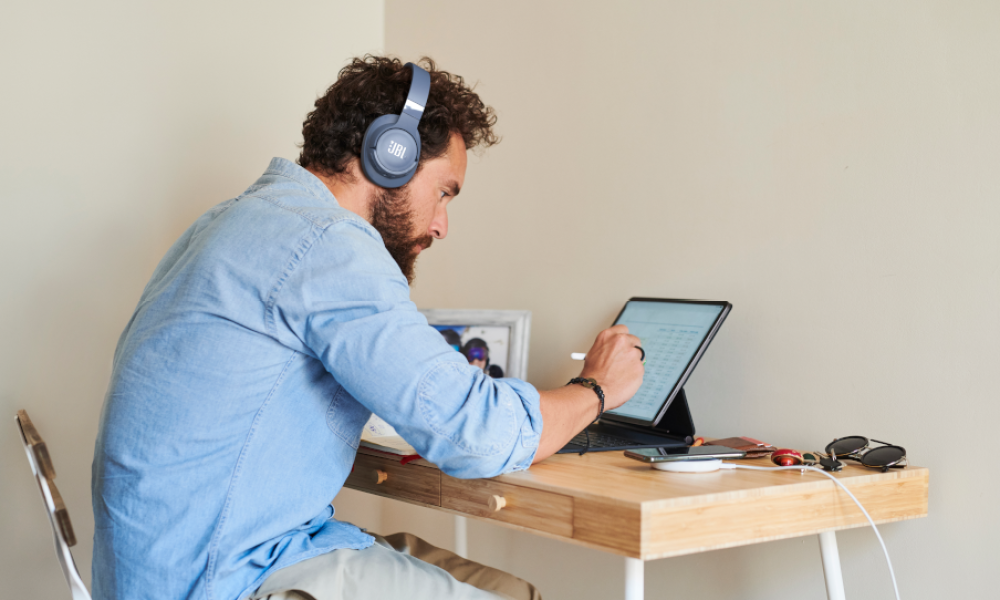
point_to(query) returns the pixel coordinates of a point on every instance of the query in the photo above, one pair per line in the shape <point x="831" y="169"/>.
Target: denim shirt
<point x="266" y="337"/>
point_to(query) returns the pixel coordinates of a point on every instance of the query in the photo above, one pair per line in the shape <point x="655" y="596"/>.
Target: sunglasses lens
<point x="847" y="445"/>
<point x="886" y="455"/>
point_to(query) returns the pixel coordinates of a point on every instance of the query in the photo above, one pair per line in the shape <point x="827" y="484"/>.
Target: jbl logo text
<point x="397" y="150"/>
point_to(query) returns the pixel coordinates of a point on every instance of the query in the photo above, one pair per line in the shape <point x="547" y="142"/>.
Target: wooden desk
<point x="605" y="501"/>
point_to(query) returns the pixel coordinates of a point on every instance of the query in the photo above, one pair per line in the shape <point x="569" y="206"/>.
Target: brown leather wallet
<point x="753" y="448"/>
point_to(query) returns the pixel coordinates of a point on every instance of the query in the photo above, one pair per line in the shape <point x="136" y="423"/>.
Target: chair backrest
<point x="62" y="529"/>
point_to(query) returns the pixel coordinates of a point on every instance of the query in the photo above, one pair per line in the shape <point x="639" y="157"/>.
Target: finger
<point x="611" y="334"/>
<point x="626" y="341"/>
<point x="631" y="343"/>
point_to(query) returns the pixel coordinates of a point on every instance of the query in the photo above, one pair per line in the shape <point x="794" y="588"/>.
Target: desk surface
<point x="605" y="501"/>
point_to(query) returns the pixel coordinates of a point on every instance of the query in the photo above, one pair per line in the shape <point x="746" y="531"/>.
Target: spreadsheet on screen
<point x="671" y="334"/>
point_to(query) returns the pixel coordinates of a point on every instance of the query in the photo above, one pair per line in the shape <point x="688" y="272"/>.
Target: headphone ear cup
<point x="368" y="165"/>
<point x="389" y="154"/>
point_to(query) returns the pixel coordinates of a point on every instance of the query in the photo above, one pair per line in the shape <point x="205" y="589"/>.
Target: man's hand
<point x="615" y="361"/>
<point x="616" y="364"/>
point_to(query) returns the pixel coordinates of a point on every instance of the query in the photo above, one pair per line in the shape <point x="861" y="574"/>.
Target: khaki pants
<point x="398" y="566"/>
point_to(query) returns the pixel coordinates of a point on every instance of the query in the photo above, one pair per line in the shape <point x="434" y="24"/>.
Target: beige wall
<point x="829" y="168"/>
<point x="120" y="122"/>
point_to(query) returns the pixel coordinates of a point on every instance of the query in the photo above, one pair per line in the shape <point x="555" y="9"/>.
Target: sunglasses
<point x="477" y="354"/>
<point x="855" y="447"/>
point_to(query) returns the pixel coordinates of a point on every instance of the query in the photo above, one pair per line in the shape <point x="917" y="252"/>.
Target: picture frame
<point x="486" y="326"/>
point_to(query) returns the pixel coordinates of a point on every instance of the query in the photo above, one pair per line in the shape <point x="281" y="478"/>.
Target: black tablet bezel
<point x="726" y="308"/>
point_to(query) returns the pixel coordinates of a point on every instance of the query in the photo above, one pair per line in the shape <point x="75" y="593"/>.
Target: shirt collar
<point x="285" y="168"/>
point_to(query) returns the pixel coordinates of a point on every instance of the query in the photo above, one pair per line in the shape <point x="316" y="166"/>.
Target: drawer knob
<point x="497" y="502"/>
<point x="379" y="476"/>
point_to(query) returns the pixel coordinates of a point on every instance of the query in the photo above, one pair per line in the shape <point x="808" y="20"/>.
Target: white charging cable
<point x="847" y="491"/>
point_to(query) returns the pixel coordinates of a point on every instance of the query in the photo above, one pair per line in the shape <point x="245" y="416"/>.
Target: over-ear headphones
<point x="390" y="151"/>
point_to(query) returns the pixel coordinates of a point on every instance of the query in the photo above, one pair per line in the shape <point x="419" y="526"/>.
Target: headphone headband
<point x="420" y="89"/>
<point x="390" y="152"/>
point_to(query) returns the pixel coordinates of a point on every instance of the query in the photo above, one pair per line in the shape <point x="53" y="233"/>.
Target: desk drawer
<point x="386" y="477"/>
<point x="521" y="506"/>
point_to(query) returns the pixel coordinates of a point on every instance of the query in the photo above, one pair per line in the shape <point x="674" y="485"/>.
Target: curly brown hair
<point x="372" y="86"/>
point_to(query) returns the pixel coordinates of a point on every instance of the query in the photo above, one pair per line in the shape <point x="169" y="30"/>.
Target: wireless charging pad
<point x="707" y="465"/>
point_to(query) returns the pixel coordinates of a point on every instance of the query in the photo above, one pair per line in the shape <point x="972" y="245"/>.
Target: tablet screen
<point x="672" y="332"/>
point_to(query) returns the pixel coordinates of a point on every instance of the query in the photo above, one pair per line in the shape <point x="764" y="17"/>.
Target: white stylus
<point x="578" y="355"/>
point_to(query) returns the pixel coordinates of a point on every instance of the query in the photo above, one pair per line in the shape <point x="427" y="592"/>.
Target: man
<point x="269" y="333"/>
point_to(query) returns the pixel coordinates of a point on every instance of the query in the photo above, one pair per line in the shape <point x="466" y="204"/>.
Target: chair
<point x="41" y="466"/>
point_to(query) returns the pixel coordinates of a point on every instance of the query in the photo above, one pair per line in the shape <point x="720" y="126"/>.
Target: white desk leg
<point x="461" y="537"/>
<point x="831" y="565"/>
<point x="634" y="583"/>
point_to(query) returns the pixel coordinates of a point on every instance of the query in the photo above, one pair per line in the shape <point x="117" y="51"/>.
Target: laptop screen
<point x="674" y="334"/>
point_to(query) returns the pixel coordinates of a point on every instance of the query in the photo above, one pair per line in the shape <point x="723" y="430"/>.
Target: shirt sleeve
<point x="345" y="301"/>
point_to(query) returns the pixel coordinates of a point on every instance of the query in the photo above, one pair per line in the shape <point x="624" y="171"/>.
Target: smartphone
<point x="653" y="455"/>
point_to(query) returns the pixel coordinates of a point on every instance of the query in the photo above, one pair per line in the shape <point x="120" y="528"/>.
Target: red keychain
<point x="786" y="457"/>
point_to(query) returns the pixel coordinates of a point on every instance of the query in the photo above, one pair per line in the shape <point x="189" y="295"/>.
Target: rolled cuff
<point x="476" y="426"/>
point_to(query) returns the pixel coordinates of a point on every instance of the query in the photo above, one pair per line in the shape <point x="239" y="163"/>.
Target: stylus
<point x="578" y="355"/>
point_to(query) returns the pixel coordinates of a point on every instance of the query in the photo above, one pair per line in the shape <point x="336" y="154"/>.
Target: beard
<point x="393" y="218"/>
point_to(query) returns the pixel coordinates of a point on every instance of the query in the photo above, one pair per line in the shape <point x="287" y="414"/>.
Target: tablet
<point x="675" y="335"/>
